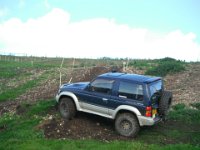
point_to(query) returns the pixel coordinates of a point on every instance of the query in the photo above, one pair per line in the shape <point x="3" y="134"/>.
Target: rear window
<point x="130" y="91"/>
<point x="155" y="87"/>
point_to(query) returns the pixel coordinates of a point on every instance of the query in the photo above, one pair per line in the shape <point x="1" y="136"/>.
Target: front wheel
<point x="126" y="124"/>
<point x="67" y="108"/>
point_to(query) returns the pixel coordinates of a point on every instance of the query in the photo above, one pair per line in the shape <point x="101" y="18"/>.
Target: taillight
<point x="148" y="111"/>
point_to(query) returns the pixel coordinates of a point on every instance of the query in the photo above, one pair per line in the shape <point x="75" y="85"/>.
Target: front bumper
<point x="147" y="121"/>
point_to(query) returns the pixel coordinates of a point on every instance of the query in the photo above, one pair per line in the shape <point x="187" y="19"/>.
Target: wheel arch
<point x="127" y="109"/>
<point x="122" y="108"/>
<point x="121" y="111"/>
<point x="70" y="95"/>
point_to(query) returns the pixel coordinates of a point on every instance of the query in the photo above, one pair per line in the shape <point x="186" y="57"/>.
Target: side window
<point x="102" y="86"/>
<point x="130" y="91"/>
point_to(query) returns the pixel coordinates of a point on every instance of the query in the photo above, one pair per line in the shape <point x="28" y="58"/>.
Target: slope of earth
<point x="185" y="86"/>
<point x="48" y="87"/>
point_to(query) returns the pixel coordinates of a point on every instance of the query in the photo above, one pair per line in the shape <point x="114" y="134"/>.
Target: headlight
<point x="59" y="91"/>
<point x="61" y="86"/>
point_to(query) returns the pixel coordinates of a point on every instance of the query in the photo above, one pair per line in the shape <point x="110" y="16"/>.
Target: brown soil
<point x="83" y="126"/>
<point x="185" y="86"/>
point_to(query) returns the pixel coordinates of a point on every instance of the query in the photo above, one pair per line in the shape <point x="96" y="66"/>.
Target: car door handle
<point x="104" y="99"/>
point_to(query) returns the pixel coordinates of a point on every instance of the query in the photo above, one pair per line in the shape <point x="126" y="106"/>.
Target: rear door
<point x="128" y="93"/>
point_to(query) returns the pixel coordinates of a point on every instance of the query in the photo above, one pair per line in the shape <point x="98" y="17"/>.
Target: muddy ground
<point x="88" y="126"/>
<point x="185" y="87"/>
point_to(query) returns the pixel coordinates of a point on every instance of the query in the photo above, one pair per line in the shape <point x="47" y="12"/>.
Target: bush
<point x="182" y="113"/>
<point x="196" y="105"/>
<point x="179" y="106"/>
<point x="166" y="66"/>
<point x="167" y="59"/>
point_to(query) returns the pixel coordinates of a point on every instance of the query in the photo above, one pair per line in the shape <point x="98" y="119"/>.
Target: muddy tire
<point x="165" y="103"/>
<point x="67" y="108"/>
<point x="126" y="124"/>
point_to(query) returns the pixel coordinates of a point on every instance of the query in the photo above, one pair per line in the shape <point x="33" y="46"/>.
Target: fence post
<point x="60" y="71"/>
<point x="124" y="66"/>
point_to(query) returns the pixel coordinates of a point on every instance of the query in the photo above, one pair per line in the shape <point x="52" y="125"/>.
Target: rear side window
<point x="130" y="91"/>
<point x="102" y="86"/>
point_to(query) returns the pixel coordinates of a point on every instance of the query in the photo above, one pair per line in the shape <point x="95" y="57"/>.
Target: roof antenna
<point x="60" y="70"/>
<point x="114" y="69"/>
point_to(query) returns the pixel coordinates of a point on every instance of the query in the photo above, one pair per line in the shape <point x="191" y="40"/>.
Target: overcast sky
<point x="98" y="28"/>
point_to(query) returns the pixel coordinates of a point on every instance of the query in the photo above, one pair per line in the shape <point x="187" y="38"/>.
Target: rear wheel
<point x="165" y="103"/>
<point x="67" y="108"/>
<point x="126" y="124"/>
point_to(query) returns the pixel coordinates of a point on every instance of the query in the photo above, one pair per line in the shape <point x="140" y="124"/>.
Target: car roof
<point x="130" y="77"/>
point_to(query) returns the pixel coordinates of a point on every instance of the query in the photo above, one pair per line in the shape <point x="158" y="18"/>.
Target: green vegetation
<point x="186" y="114"/>
<point x="180" y="106"/>
<point x="12" y="93"/>
<point x="20" y="132"/>
<point x="19" y="128"/>
<point x="166" y="66"/>
<point x="196" y="105"/>
<point x="17" y="77"/>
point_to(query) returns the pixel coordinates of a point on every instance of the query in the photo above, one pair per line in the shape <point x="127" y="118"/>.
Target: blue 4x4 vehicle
<point x="131" y="100"/>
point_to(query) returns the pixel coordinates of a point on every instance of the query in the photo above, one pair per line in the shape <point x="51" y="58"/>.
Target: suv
<point x="131" y="100"/>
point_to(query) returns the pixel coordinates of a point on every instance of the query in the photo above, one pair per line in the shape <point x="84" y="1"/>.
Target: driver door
<point x="97" y="95"/>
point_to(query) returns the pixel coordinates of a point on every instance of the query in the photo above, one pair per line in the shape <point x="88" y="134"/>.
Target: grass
<point x="12" y="93"/>
<point x="141" y="64"/>
<point x="196" y="105"/>
<point x="90" y="145"/>
<point x="185" y="114"/>
<point x="19" y="132"/>
<point x="18" y="77"/>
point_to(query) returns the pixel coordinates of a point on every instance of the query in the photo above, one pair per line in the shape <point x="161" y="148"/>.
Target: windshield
<point x="155" y="87"/>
